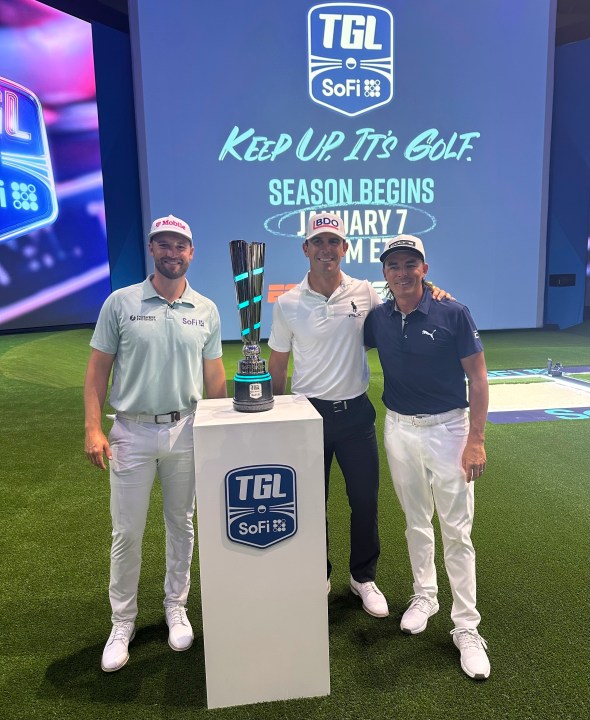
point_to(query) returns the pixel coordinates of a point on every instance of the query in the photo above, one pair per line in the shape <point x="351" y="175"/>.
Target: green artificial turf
<point x="531" y="537"/>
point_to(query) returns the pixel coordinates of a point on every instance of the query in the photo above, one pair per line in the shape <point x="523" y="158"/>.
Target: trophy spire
<point x="252" y="383"/>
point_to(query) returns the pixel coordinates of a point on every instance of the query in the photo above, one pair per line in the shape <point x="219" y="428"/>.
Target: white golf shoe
<point x="115" y="653"/>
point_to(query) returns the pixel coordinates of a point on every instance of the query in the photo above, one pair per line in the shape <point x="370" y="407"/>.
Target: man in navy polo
<point x="434" y="445"/>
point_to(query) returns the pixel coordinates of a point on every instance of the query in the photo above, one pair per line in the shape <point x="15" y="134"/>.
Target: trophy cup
<point x="252" y="383"/>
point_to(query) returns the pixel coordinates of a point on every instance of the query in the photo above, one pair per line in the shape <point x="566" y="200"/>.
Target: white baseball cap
<point x="403" y="242"/>
<point x="325" y="222"/>
<point x="171" y="224"/>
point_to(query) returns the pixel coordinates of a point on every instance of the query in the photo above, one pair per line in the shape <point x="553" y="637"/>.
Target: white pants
<point x="139" y="450"/>
<point x="425" y="465"/>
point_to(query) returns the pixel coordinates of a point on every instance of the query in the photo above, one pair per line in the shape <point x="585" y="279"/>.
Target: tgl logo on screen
<point x="260" y="504"/>
<point x="350" y="56"/>
<point x="27" y="191"/>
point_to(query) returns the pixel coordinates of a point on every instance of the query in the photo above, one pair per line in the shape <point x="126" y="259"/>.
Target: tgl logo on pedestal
<point x="350" y="56"/>
<point x="260" y="504"/>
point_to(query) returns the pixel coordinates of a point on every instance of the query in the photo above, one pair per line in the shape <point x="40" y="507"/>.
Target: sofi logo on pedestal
<point x="261" y="504"/>
<point x="350" y="56"/>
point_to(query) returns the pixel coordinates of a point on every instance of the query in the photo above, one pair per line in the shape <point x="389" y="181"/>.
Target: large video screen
<point x="54" y="268"/>
<point x="413" y="116"/>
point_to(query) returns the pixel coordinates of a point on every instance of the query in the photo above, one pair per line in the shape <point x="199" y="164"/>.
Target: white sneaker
<point x="180" y="636"/>
<point x="373" y="599"/>
<point x="115" y="653"/>
<point x="415" y="619"/>
<point x="474" y="660"/>
<point x="329" y="586"/>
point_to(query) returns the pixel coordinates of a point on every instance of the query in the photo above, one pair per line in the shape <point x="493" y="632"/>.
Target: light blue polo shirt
<point x="159" y="347"/>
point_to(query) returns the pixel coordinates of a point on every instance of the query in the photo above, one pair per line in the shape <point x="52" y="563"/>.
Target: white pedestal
<point x="265" y="611"/>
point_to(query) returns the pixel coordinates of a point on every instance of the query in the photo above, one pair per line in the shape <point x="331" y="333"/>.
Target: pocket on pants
<point x="457" y="427"/>
<point x="123" y="441"/>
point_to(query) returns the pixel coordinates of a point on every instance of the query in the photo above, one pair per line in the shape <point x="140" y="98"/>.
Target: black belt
<point x="337" y="406"/>
<point x="163" y="419"/>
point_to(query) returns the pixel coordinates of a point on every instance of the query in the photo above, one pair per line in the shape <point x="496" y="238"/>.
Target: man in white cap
<point x="321" y="321"/>
<point x="162" y="340"/>
<point x="435" y="447"/>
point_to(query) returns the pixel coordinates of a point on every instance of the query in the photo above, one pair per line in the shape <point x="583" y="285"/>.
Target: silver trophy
<point x="252" y="383"/>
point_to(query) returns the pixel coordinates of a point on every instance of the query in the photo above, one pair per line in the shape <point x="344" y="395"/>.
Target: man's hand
<point x="474" y="460"/>
<point x="438" y="293"/>
<point x="96" y="446"/>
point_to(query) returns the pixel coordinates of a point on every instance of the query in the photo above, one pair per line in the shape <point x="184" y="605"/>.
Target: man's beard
<point x="171" y="272"/>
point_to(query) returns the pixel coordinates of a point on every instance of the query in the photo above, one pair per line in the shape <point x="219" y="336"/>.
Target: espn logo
<point x="274" y="291"/>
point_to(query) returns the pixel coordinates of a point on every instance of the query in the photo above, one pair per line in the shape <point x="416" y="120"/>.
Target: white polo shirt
<point x="326" y="338"/>
<point x="158" y="346"/>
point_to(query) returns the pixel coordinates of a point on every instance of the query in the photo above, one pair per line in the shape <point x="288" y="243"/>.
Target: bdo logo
<point x="27" y="190"/>
<point x="350" y="56"/>
<point x="260" y="504"/>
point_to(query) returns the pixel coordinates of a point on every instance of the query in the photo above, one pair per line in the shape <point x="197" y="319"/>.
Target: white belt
<point x="425" y="420"/>
<point x="162" y="419"/>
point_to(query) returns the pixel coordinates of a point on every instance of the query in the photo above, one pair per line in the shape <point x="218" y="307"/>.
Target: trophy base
<point x="253" y="393"/>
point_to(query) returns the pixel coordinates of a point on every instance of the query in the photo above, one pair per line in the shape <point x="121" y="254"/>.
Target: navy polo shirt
<point x="422" y="364"/>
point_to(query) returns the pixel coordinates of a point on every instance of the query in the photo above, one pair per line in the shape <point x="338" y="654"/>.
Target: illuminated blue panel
<point x="27" y="190"/>
<point x="350" y="56"/>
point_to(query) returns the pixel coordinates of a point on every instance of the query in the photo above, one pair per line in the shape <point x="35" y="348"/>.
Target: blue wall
<point x="118" y="147"/>
<point x="569" y="186"/>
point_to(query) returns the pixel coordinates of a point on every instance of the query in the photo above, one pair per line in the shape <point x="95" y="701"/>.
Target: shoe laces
<point x="421" y="602"/>
<point x="176" y="615"/>
<point x="469" y="638"/>
<point x="368" y="587"/>
<point x="122" y="631"/>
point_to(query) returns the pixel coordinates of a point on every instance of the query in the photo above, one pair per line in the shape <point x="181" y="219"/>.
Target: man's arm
<point x="474" y="455"/>
<point x="278" y="364"/>
<point x="96" y="383"/>
<point x="214" y="378"/>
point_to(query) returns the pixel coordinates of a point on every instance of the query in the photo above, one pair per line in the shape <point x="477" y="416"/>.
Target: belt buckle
<point x="336" y="406"/>
<point x="174" y="416"/>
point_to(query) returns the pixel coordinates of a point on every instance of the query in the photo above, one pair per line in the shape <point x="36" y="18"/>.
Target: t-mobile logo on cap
<point x="171" y="223"/>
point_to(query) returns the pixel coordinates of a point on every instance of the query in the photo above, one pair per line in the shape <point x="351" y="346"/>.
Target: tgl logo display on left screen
<point x="261" y="504"/>
<point x="27" y="190"/>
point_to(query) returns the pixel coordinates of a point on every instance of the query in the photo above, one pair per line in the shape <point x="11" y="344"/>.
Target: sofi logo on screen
<point x="261" y="504"/>
<point x="350" y="56"/>
<point x="27" y="190"/>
